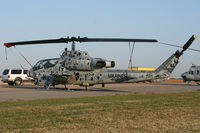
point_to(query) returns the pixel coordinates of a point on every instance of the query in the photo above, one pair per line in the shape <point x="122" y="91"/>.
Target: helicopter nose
<point x="184" y="77"/>
<point x="29" y="74"/>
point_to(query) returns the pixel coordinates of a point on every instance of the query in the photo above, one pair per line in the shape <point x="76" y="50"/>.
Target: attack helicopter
<point x="75" y="67"/>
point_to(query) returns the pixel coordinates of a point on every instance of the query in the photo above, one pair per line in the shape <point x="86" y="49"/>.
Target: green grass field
<point x="173" y="112"/>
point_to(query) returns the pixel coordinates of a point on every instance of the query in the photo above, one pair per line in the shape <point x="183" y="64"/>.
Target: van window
<point x="16" y="71"/>
<point x="5" y="72"/>
<point x="25" y="71"/>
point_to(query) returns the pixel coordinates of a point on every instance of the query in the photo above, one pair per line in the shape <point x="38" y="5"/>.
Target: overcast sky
<point x="170" y="21"/>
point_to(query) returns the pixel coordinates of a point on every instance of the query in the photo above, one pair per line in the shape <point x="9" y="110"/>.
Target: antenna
<point x="73" y="46"/>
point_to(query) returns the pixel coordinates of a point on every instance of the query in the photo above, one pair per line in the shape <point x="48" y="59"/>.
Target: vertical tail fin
<point x="168" y="66"/>
<point x="165" y="69"/>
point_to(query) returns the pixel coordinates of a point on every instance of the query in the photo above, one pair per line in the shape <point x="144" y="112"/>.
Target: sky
<point x="171" y="21"/>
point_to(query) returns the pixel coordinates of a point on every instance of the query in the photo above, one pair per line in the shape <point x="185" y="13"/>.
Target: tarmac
<point x="28" y="91"/>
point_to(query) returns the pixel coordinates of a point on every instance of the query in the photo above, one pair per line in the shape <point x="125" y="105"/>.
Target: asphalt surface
<point x="28" y="91"/>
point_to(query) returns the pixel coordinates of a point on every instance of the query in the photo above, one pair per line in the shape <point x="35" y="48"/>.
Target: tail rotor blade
<point x="188" y="43"/>
<point x="186" y="46"/>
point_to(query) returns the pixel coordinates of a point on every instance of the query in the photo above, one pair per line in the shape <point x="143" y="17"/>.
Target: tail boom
<point x="164" y="70"/>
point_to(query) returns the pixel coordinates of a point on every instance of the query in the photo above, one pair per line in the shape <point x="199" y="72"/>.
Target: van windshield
<point x="5" y="72"/>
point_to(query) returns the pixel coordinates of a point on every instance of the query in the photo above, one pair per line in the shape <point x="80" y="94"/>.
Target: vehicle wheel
<point x="18" y="81"/>
<point x="10" y="83"/>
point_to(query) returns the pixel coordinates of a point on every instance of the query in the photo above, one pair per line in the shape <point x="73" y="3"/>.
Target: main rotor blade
<point x="74" y="39"/>
<point x="61" y="40"/>
<point x="116" y="40"/>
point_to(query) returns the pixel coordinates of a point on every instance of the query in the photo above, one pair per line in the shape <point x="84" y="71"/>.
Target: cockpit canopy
<point x="45" y="63"/>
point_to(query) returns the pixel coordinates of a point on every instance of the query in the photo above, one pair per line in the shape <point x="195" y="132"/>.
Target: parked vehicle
<point x="14" y="76"/>
<point x="193" y="74"/>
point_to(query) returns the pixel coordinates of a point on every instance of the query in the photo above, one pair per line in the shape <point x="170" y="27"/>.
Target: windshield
<point x="45" y="63"/>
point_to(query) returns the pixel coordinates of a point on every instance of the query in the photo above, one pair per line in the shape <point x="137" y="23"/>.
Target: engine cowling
<point x="110" y="64"/>
<point x="99" y="63"/>
<point x="88" y="64"/>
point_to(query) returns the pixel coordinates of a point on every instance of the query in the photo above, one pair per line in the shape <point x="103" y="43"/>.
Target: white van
<point x="14" y="76"/>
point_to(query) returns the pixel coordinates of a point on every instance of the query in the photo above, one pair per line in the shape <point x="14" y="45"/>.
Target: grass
<point x="173" y="112"/>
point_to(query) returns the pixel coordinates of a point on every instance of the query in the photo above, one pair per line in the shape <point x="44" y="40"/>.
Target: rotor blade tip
<point x="194" y="36"/>
<point x="7" y="45"/>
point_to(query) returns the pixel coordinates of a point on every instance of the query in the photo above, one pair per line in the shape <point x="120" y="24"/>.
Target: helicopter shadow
<point x="105" y="90"/>
<point x="19" y="87"/>
<point x="88" y="90"/>
<point x="62" y="89"/>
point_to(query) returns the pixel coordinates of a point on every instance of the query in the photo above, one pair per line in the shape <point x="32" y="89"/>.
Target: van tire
<point x="10" y="83"/>
<point x="18" y="81"/>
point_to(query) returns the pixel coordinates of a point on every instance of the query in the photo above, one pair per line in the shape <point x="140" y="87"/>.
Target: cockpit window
<point x="45" y="63"/>
<point x="197" y="72"/>
<point x="191" y="72"/>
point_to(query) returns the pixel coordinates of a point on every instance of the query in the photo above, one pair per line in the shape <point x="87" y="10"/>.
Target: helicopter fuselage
<point x="78" y="68"/>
